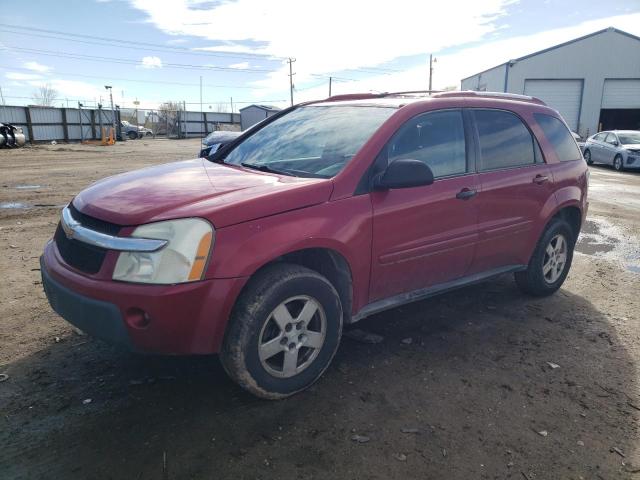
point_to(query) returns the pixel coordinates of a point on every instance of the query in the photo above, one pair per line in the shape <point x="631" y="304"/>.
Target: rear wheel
<point x="550" y="262"/>
<point x="587" y="157"/>
<point x="283" y="332"/>
<point x="617" y="163"/>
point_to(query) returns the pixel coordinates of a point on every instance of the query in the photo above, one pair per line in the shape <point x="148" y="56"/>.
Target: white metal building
<point x="593" y="81"/>
<point x="253" y="114"/>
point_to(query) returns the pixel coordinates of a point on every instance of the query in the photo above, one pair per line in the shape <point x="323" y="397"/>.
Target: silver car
<point x="620" y="148"/>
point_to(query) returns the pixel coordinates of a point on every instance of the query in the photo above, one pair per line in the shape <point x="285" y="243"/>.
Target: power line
<point x="126" y="61"/>
<point x="128" y="43"/>
<point x="99" y="77"/>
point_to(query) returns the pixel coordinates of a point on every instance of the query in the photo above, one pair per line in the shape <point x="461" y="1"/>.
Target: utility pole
<point x="2" y="97"/>
<point x="202" y="130"/>
<point x="431" y="62"/>
<point x="291" y="74"/>
<point x="113" y="112"/>
<point x="330" y="78"/>
<point x="231" y="109"/>
<point x="81" y="126"/>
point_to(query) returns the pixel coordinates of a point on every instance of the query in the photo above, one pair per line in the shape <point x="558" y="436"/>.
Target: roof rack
<point x="472" y="93"/>
<point x="436" y="94"/>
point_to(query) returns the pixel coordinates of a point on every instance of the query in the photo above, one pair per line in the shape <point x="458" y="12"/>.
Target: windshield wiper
<point x="265" y="168"/>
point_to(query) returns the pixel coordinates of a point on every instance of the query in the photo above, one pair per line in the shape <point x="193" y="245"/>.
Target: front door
<point x="425" y="235"/>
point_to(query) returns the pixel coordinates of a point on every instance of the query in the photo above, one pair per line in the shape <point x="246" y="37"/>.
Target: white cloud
<point x="36" y="67"/>
<point x="22" y="76"/>
<point x="360" y="35"/>
<point x="241" y="65"/>
<point x="151" y="62"/>
<point x="71" y="88"/>
<point x="450" y="69"/>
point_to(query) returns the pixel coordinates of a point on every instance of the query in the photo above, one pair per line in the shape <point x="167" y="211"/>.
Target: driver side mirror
<point x="404" y="173"/>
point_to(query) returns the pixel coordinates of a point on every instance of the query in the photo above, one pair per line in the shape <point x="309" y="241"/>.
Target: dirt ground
<point x="479" y="383"/>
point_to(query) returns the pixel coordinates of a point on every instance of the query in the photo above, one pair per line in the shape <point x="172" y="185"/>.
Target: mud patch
<point x="600" y="238"/>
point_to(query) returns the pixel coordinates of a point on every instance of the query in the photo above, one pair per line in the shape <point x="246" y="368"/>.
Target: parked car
<point x="578" y="140"/>
<point x="212" y="142"/>
<point x="619" y="148"/>
<point x="133" y="131"/>
<point x="324" y="214"/>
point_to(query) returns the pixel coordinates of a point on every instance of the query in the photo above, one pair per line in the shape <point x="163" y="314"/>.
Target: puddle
<point x="27" y="187"/>
<point x="600" y="238"/>
<point x="13" y="205"/>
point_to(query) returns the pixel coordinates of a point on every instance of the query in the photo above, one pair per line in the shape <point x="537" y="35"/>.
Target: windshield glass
<point x="311" y="141"/>
<point x="629" y="138"/>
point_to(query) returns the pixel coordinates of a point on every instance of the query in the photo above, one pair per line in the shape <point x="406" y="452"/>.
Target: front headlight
<point x="183" y="259"/>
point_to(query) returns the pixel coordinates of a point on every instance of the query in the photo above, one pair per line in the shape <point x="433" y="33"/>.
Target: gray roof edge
<point x="261" y="107"/>
<point x="569" y="42"/>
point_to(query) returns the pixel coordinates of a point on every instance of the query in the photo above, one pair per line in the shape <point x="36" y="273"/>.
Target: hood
<point x="223" y="194"/>
<point x="632" y="146"/>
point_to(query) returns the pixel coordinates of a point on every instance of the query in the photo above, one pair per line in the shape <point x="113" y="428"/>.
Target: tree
<point x="45" y="95"/>
<point x="168" y="118"/>
<point x="222" y="107"/>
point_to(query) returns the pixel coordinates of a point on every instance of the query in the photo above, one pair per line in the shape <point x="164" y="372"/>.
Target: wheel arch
<point x="324" y="260"/>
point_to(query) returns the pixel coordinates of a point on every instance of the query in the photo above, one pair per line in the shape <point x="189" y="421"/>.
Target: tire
<point x="538" y="280"/>
<point x="587" y="157"/>
<point x="617" y="163"/>
<point x="132" y="135"/>
<point x="262" y="370"/>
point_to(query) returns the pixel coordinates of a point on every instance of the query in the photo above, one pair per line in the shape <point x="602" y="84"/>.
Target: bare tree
<point x="222" y="107"/>
<point x="45" y="95"/>
<point x="167" y="123"/>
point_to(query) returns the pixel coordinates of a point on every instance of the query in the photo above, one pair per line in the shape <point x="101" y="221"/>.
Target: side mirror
<point x="404" y="173"/>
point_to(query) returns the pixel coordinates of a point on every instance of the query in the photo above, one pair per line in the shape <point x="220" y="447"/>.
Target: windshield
<point x="629" y="138"/>
<point x="311" y="141"/>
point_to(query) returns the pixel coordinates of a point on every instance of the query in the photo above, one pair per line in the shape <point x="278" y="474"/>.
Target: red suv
<point x="318" y="217"/>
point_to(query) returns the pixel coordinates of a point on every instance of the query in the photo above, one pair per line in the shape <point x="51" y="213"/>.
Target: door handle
<point x="540" y="179"/>
<point x="466" y="194"/>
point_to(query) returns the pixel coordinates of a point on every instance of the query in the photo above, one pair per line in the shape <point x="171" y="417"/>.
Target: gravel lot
<point x="479" y="383"/>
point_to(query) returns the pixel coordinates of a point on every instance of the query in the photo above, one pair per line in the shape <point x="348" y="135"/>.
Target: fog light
<point x="137" y="318"/>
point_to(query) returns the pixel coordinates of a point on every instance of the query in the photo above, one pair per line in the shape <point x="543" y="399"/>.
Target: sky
<point x="152" y="51"/>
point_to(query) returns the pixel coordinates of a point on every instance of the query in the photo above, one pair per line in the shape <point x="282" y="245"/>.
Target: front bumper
<point x="183" y="319"/>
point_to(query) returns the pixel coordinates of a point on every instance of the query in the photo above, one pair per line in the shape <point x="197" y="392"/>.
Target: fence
<point x="42" y="124"/>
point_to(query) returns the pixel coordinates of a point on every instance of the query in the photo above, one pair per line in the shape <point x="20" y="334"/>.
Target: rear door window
<point x="505" y="142"/>
<point x="612" y="139"/>
<point x="600" y="137"/>
<point x="435" y="138"/>
<point x="559" y="137"/>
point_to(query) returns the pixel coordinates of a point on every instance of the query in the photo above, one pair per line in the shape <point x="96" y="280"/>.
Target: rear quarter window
<point x="559" y="137"/>
<point x="505" y="142"/>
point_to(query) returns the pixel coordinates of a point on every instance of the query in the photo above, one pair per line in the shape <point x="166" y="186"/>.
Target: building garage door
<point x="563" y="95"/>
<point x="621" y="94"/>
<point x="620" y="105"/>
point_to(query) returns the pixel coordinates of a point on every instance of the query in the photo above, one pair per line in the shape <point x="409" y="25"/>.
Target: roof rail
<point x="354" y="96"/>
<point x="472" y="93"/>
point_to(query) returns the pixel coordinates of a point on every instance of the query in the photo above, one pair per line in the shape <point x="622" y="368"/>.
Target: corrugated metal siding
<point x="563" y="95"/>
<point x="13" y="115"/>
<point x="45" y="115"/>
<point x="48" y="132"/>
<point x="621" y="93"/>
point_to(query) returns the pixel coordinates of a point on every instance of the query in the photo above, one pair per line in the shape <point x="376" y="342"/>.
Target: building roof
<point x="599" y="32"/>
<point x="268" y="108"/>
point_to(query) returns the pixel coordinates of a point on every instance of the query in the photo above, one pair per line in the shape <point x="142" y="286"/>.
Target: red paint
<point x="393" y="241"/>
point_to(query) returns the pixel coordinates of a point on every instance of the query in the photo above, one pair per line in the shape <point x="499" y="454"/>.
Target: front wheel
<point x="283" y="332"/>
<point x="132" y="135"/>
<point x="550" y="262"/>
<point x="587" y="157"/>
<point x="617" y="163"/>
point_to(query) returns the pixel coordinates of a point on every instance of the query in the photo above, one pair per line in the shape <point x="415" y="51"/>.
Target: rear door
<point x="426" y="235"/>
<point x="515" y="183"/>
<point x="597" y="148"/>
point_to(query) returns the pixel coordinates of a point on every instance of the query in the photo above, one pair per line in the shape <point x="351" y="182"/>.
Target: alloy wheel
<point x="555" y="258"/>
<point x="292" y="336"/>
